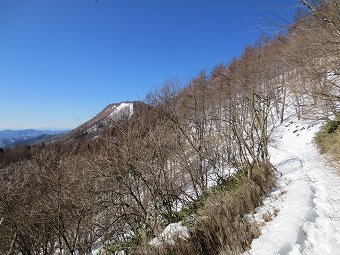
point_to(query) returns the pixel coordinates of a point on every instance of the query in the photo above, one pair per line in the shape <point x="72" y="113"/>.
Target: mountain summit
<point x="107" y="117"/>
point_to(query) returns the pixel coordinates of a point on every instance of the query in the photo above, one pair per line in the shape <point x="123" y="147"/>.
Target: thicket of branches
<point x="312" y="51"/>
<point x="145" y="168"/>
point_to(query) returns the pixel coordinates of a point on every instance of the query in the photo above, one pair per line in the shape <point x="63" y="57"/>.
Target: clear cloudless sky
<point x="62" y="61"/>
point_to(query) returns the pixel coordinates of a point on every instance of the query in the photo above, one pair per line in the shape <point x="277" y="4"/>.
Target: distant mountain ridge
<point x="10" y="138"/>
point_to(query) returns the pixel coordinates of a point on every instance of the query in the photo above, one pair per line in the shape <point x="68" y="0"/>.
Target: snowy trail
<point x="305" y="211"/>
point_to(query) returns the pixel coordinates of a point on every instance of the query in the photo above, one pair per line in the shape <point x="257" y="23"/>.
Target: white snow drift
<point x="304" y="212"/>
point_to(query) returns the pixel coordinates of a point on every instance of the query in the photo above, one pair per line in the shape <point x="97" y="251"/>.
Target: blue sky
<point x="62" y="61"/>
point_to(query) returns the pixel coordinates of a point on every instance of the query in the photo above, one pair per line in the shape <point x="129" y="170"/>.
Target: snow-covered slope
<point x="112" y="112"/>
<point x="303" y="214"/>
<point x="108" y="116"/>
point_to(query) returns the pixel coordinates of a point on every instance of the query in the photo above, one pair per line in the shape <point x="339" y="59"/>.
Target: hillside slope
<point x="107" y="117"/>
<point x="303" y="214"/>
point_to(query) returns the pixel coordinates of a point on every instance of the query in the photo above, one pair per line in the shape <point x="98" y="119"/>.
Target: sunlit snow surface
<point x="304" y="210"/>
<point x="170" y="232"/>
<point x="121" y="109"/>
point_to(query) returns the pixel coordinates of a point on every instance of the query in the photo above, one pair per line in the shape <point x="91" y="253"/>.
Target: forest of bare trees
<point x="146" y="168"/>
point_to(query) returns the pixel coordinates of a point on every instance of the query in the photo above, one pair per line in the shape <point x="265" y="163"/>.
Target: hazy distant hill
<point x="10" y="137"/>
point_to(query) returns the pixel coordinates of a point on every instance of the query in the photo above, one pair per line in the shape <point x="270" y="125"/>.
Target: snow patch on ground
<point x="121" y="109"/>
<point x="170" y="232"/>
<point x="302" y="216"/>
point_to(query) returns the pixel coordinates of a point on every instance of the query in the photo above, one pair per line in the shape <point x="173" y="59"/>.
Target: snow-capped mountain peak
<point x="121" y="109"/>
<point x="108" y="116"/>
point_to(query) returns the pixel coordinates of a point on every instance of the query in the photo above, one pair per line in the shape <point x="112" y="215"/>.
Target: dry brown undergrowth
<point x="220" y="227"/>
<point x="328" y="140"/>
